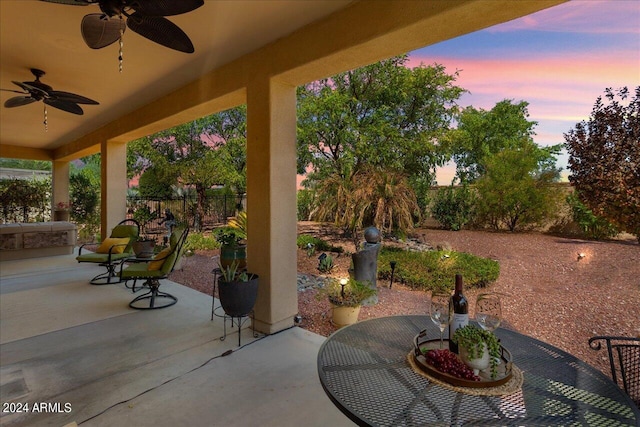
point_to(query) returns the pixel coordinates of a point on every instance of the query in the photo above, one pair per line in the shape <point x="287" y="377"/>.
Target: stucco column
<point x="113" y="172"/>
<point x="59" y="183"/>
<point x="271" y="201"/>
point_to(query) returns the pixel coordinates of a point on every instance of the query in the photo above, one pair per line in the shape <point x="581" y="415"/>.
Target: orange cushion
<point x="111" y="241"/>
<point x="161" y="257"/>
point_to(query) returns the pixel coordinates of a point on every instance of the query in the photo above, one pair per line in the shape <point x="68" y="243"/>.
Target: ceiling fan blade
<point x="18" y="101"/>
<point x="98" y="30"/>
<point x="14" y="91"/>
<point x="165" y="7"/>
<point x="68" y="106"/>
<point x="71" y="2"/>
<point x="161" y="31"/>
<point x="71" y="97"/>
<point x="34" y="91"/>
<point x="22" y="85"/>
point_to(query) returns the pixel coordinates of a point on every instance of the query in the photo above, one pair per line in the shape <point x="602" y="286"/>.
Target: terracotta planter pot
<point x="238" y="298"/>
<point x="343" y="316"/>
<point x="61" y="215"/>
<point x="144" y="248"/>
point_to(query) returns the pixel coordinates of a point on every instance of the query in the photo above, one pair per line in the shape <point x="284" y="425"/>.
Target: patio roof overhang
<point x="246" y="52"/>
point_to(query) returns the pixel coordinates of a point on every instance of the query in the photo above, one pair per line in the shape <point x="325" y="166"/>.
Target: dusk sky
<point x="559" y="60"/>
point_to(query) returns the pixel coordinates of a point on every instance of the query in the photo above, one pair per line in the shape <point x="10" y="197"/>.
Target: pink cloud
<point x="578" y="17"/>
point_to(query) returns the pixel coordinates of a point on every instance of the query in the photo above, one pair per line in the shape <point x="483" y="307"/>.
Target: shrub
<point x="513" y="194"/>
<point x="382" y="198"/>
<point x="594" y="227"/>
<point x="304" y="240"/>
<point x="200" y="241"/>
<point x="435" y="270"/>
<point x="453" y="207"/>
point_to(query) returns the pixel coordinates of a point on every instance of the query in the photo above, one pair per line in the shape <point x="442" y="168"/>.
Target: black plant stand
<point x="219" y="312"/>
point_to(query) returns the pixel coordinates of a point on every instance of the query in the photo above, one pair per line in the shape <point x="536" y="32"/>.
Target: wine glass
<point x="488" y="311"/>
<point x="439" y="311"/>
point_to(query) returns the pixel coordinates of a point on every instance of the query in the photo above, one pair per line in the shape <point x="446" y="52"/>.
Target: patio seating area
<point x="91" y="359"/>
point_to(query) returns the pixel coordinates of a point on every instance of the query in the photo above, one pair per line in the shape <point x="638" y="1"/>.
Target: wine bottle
<point x="459" y="307"/>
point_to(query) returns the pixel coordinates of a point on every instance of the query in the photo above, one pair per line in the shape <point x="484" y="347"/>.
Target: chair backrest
<point x="176" y="242"/>
<point x="624" y="361"/>
<point x="127" y="228"/>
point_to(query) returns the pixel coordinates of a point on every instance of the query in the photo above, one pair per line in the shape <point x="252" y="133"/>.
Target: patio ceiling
<point x="47" y="36"/>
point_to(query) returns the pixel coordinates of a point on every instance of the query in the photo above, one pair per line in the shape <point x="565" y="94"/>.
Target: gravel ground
<point x="547" y="292"/>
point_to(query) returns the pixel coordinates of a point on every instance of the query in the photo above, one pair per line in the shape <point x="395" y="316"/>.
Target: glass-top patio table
<point x="364" y="370"/>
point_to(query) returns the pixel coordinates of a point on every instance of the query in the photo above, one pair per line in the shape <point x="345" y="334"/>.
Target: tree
<point x="481" y="134"/>
<point x="206" y="152"/>
<point x="156" y="184"/>
<point x="384" y="116"/>
<point x="604" y="158"/>
<point x="512" y="192"/>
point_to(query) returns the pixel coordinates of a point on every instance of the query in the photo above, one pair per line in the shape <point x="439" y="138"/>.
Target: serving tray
<point x="422" y="345"/>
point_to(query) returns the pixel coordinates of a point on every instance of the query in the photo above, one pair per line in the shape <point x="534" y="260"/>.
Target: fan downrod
<point x="37" y="73"/>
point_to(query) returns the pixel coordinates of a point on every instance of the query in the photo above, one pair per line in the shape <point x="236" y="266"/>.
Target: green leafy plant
<point x="200" y="241"/>
<point x="325" y="264"/>
<point x="434" y="270"/>
<point x="453" y="207"/>
<point x="229" y="236"/>
<point x="143" y="215"/>
<point x="346" y="292"/>
<point x="513" y="193"/>
<point x="304" y="240"/>
<point x="305" y="204"/>
<point x="592" y="226"/>
<point x="471" y="338"/>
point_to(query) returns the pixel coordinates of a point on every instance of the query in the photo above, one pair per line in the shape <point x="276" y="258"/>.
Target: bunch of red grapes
<point x="447" y="362"/>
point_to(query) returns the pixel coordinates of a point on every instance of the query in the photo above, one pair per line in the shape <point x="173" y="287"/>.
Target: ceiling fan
<point x="145" y="17"/>
<point x="37" y="91"/>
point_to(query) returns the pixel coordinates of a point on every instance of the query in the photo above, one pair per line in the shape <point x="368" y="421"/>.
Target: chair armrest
<point x="111" y="250"/>
<point x="82" y="246"/>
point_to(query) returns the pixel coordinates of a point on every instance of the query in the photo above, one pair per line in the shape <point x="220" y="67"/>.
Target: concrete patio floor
<point x="90" y="359"/>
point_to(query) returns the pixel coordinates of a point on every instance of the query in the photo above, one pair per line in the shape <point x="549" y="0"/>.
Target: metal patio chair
<point x="112" y="251"/>
<point x="154" y="269"/>
<point x="624" y="360"/>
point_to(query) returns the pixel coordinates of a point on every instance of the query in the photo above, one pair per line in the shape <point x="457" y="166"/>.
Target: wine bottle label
<point x="458" y="321"/>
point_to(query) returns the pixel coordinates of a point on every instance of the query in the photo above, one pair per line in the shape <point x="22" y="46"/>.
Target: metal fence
<point x="216" y="211"/>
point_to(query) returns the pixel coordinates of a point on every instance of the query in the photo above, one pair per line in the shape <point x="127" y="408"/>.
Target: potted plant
<point x="237" y="290"/>
<point x="144" y="246"/>
<point x="479" y="349"/>
<point x="61" y="211"/>
<point x="233" y="248"/>
<point x="346" y="297"/>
